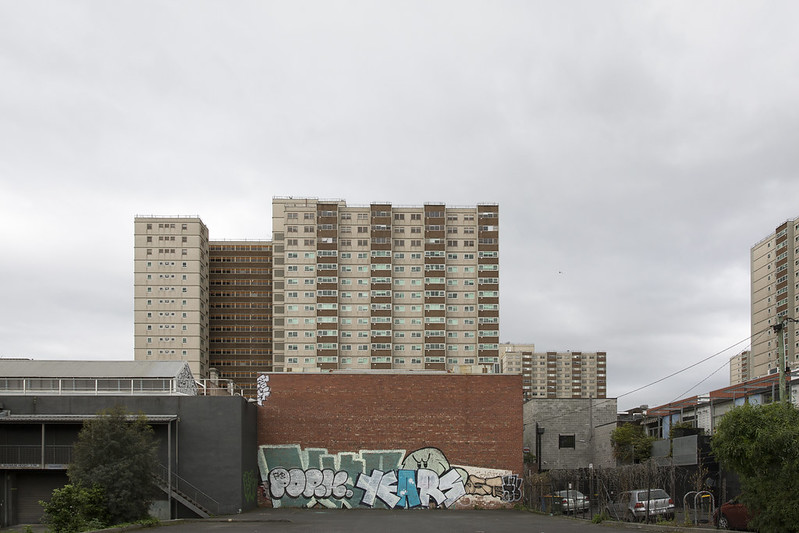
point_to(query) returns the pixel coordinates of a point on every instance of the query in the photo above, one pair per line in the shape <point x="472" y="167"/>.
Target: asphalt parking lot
<point x="389" y="521"/>
<point x="405" y="521"/>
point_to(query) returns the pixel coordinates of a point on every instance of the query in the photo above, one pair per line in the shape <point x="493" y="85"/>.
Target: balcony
<point x="48" y="457"/>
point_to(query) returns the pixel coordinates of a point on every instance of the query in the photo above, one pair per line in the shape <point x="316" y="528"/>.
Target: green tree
<point x="761" y="444"/>
<point x="631" y="444"/>
<point x="72" y="509"/>
<point x="117" y="453"/>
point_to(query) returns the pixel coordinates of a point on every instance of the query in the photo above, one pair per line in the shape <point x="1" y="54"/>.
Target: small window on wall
<point x="566" y="441"/>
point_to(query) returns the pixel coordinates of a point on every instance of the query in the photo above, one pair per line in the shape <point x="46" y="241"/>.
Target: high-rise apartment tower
<point x="171" y="291"/>
<point x="385" y="287"/>
<point x="339" y="287"/>
<point x="775" y="288"/>
<point x="240" y="317"/>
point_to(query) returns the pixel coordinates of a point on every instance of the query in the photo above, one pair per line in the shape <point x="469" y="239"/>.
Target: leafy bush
<point x="118" y="453"/>
<point x="73" y="509"/>
<point x="631" y="444"/>
<point x="761" y="444"/>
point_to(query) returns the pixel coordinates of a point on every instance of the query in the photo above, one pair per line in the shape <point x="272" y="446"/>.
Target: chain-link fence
<point x="602" y="487"/>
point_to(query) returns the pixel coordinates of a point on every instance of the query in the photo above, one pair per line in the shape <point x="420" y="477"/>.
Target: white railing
<point x="89" y="386"/>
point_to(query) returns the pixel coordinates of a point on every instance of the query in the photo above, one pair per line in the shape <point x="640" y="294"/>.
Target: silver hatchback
<point x="632" y="505"/>
<point x="572" y="501"/>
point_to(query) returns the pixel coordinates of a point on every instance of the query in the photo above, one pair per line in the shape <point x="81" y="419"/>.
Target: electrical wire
<point x="687" y="367"/>
<point x="684" y="394"/>
<point x="749" y="339"/>
<point x="716" y="371"/>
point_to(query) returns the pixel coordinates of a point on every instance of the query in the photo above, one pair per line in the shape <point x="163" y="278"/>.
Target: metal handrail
<point x="30" y="455"/>
<point x="89" y="386"/>
<point x="185" y="488"/>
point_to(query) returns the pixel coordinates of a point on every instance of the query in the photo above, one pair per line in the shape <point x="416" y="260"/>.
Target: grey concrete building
<point x="566" y="433"/>
<point x="207" y="444"/>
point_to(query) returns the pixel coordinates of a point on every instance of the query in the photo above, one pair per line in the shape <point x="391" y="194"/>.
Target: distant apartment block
<point x="739" y="368"/>
<point x="518" y="359"/>
<point x="240" y="317"/>
<point x="775" y="288"/>
<point x="171" y="261"/>
<point x="514" y="357"/>
<point x="558" y="374"/>
<point x="339" y="287"/>
<point x="385" y="287"/>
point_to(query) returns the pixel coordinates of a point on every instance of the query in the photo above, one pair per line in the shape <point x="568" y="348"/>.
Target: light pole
<point x="591" y="489"/>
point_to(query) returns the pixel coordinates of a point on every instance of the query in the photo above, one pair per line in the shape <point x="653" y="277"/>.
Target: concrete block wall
<point x="571" y="417"/>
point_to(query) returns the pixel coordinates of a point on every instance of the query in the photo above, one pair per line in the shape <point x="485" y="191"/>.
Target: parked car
<point x="572" y="501"/>
<point x="632" y="505"/>
<point x="732" y="515"/>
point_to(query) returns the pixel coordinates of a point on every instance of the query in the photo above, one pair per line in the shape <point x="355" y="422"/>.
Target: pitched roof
<point x="26" y="368"/>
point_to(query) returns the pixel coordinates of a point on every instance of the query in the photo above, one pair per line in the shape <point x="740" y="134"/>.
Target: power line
<point x="750" y="338"/>
<point x="703" y="380"/>
<point x="716" y="371"/>
<point x="686" y="368"/>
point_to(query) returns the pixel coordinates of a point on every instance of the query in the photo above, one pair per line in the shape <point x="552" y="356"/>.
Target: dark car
<point x="732" y="515"/>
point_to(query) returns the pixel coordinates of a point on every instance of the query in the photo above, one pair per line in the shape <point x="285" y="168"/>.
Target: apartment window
<point x="566" y="441"/>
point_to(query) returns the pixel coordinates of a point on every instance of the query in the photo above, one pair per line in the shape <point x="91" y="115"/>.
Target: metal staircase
<point x="186" y="493"/>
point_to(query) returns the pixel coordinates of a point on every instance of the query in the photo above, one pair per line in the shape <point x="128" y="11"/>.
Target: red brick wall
<point x="475" y="420"/>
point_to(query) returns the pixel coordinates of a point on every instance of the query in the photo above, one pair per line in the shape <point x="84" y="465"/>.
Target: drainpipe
<point x="169" y="465"/>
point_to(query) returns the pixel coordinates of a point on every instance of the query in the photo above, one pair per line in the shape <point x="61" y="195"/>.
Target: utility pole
<point x="779" y="329"/>
<point x="781" y="358"/>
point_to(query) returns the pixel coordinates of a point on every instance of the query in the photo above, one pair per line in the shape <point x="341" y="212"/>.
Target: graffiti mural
<point x="262" y="391"/>
<point x="387" y="479"/>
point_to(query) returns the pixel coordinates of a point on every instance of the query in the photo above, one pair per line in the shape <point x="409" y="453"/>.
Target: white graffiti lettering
<point x="311" y="483"/>
<point x="427" y="481"/>
<point x="444" y="490"/>
<point x="420" y="479"/>
<point x="511" y="488"/>
<point x="263" y="390"/>
<point x="451" y="484"/>
<point x="380" y="484"/>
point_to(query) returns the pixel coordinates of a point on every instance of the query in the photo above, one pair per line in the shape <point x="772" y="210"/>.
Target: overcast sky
<point x="637" y="150"/>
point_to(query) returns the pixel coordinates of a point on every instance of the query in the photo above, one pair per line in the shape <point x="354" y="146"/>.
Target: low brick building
<point x="456" y="439"/>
